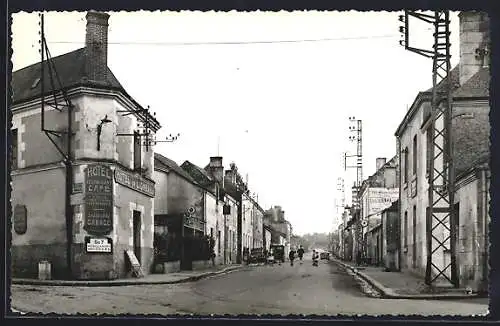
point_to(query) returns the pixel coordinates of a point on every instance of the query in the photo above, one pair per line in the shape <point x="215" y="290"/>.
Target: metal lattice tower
<point x="440" y="218"/>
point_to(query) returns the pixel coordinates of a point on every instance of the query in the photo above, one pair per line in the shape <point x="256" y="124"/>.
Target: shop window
<point x="14" y="150"/>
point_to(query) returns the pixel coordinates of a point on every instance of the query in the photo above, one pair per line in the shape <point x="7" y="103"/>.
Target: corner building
<point x="112" y="191"/>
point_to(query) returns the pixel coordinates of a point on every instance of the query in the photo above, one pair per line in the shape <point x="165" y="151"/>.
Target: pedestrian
<point x="315" y="258"/>
<point x="291" y="255"/>
<point x="212" y="250"/>
<point x="300" y="252"/>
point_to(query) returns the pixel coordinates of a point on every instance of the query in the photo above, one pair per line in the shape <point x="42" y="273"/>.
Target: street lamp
<point x="99" y="129"/>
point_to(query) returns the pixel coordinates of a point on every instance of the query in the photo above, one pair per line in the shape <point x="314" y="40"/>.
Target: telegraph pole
<point x="357" y="129"/>
<point x="55" y="136"/>
<point x="441" y="222"/>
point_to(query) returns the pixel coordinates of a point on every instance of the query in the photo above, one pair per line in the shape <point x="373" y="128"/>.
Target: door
<point x="136" y="234"/>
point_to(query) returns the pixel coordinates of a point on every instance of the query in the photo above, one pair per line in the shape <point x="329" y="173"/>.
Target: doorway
<point x="136" y="234"/>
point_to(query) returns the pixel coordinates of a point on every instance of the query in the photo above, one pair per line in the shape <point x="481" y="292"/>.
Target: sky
<point x="273" y="94"/>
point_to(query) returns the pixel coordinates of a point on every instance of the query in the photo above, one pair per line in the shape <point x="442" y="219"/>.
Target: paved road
<point x="301" y="289"/>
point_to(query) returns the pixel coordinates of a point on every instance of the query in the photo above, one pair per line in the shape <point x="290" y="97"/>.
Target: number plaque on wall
<point x="98" y="199"/>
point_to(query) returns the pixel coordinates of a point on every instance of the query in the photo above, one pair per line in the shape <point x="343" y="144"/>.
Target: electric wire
<point x="238" y="42"/>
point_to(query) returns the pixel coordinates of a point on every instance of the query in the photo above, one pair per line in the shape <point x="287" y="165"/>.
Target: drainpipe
<point x="485" y="217"/>
<point x="398" y="267"/>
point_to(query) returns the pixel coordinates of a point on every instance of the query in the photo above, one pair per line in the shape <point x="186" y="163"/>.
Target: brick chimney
<point x="380" y="163"/>
<point x="96" y="46"/>
<point x="474" y="43"/>
<point x="216" y="169"/>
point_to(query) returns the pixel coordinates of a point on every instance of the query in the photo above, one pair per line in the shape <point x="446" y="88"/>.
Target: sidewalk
<point x="170" y="278"/>
<point x="403" y="285"/>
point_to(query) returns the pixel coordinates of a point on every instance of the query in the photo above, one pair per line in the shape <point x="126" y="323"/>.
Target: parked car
<point x="324" y="255"/>
<point x="257" y="255"/>
<point x="278" y="251"/>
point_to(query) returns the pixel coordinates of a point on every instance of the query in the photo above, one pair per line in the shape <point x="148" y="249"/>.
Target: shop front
<point x="113" y="222"/>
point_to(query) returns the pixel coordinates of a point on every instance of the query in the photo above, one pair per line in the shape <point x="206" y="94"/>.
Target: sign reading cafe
<point x="98" y="199"/>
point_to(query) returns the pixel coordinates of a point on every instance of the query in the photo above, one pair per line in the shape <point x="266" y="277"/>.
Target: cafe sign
<point x="135" y="182"/>
<point x="98" y="199"/>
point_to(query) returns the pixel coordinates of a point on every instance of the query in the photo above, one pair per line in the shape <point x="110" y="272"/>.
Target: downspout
<point x="398" y="233"/>
<point x="485" y="218"/>
<point x="69" y="184"/>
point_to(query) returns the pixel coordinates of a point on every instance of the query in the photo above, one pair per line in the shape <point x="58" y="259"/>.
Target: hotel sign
<point x="98" y="199"/>
<point x="135" y="182"/>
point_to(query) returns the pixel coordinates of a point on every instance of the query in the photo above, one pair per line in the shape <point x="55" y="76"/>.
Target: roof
<point x="71" y="71"/>
<point x="476" y="87"/>
<point x="170" y="164"/>
<point x="198" y="174"/>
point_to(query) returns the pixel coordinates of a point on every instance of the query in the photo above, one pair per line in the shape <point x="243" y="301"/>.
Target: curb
<point x="388" y="293"/>
<point x="124" y="282"/>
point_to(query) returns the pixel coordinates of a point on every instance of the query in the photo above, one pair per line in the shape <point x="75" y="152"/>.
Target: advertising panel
<point x="98" y="199"/>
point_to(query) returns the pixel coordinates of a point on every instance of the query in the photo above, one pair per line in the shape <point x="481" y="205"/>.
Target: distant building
<point x="377" y="192"/>
<point x="470" y="135"/>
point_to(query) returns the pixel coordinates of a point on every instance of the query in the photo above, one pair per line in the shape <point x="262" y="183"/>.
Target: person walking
<point x="212" y="250"/>
<point x="291" y="256"/>
<point x="300" y="252"/>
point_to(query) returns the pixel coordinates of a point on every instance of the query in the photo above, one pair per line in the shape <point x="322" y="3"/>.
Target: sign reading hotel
<point x="135" y="182"/>
<point x="98" y="199"/>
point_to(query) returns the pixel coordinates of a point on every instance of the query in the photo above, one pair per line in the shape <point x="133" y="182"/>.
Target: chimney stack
<point x="96" y="46"/>
<point x="216" y="169"/>
<point x="474" y="43"/>
<point x="380" y="162"/>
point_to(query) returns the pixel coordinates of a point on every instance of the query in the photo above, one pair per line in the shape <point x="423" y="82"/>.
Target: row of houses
<point x="393" y="203"/>
<point x="89" y="195"/>
<point x="194" y="204"/>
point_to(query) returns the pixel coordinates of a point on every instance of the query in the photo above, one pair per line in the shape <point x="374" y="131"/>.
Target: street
<point x="279" y="289"/>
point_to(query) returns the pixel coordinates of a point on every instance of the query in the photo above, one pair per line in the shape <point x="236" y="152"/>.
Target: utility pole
<point x="341" y="188"/>
<point x="56" y="136"/>
<point x="441" y="222"/>
<point x="357" y="129"/>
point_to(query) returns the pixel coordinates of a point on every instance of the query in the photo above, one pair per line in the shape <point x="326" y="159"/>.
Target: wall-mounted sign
<point x="98" y="199"/>
<point x="194" y="223"/>
<point x="135" y="182"/>
<point x="98" y="245"/>
<point x="20" y="219"/>
<point x="77" y="188"/>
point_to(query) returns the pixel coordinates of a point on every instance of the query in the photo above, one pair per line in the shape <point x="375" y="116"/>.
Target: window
<point x="429" y="145"/>
<point x="137" y="151"/>
<point x="14" y="150"/>
<point x="415" y="156"/>
<point x="406" y="163"/>
<point x="405" y="239"/>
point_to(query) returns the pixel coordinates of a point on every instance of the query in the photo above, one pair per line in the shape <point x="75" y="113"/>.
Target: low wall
<point x="201" y="264"/>
<point x="172" y="267"/>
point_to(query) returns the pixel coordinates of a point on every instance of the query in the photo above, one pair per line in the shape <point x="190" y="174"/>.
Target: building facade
<point x="91" y="211"/>
<point x="470" y="141"/>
